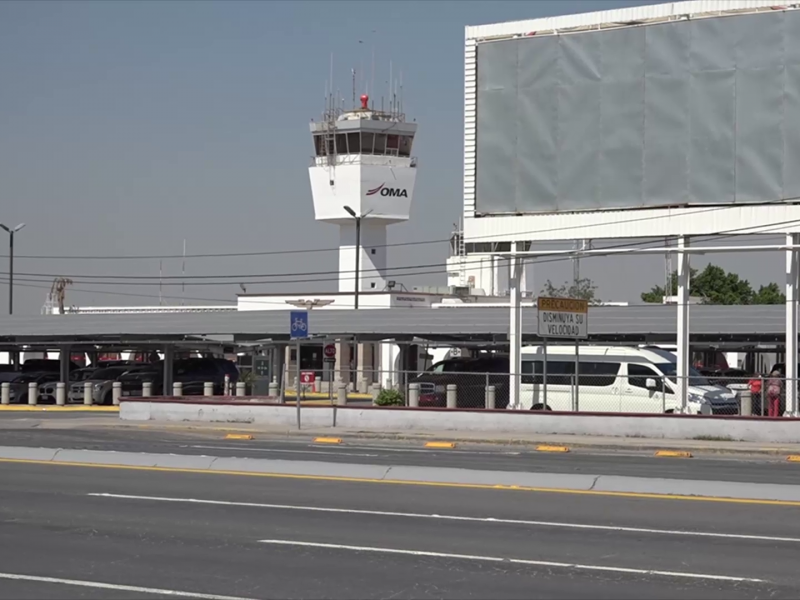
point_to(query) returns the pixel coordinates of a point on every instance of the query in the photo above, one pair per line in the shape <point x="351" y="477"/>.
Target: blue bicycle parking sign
<point x="298" y="324"/>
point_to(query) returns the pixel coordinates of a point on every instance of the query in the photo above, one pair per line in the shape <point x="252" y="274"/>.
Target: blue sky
<point x="127" y="127"/>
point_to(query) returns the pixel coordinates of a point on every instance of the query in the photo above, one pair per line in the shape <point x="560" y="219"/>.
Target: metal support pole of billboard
<point x="515" y="330"/>
<point x="792" y="274"/>
<point x="577" y="371"/>
<point x="544" y="376"/>
<point x="298" y="385"/>
<point x="683" y="324"/>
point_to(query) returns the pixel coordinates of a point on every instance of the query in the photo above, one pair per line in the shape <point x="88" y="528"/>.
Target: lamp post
<point x="357" y="218"/>
<point x="11" y="231"/>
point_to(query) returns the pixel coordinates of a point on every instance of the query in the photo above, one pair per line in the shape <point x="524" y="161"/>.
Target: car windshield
<point x="670" y="370"/>
<point x="109" y="373"/>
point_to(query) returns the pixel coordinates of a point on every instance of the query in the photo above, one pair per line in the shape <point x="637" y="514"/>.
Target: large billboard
<point x="686" y="112"/>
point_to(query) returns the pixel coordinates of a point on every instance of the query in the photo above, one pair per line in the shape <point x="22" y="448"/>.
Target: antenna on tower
<point x="400" y="107"/>
<point x="390" y="87"/>
<point x="371" y="91"/>
<point x="354" y="88"/>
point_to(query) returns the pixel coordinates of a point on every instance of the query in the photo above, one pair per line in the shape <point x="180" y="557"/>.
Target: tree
<point x="657" y="293"/>
<point x="714" y="285"/>
<point x="583" y="289"/>
<point x="770" y="294"/>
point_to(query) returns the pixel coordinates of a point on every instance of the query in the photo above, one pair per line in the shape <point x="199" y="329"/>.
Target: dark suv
<point x="192" y="373"/>
<point x="470" y="376"/>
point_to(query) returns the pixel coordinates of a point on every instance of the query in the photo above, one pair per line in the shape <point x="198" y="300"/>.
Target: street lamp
<point x="11" y="231"/>
<point x="358" y="218"/>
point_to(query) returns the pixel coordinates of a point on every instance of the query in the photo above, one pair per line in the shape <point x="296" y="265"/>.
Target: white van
<point x="615" y="379"/>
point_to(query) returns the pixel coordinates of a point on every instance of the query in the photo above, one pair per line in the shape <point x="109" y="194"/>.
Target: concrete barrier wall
<point x="397" y="420"/>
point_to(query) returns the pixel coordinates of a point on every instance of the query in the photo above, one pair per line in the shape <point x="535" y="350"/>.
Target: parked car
<point x="101" y="382"/>
<point x="18" y="392"/>
<point x="192" y="373"/>
<point x="616" y="379"/>
<point x="42" y="365"/>
<point x="470" y="376"/>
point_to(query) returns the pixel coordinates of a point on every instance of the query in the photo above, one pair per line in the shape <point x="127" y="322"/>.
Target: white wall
<point x="523" y="422"/>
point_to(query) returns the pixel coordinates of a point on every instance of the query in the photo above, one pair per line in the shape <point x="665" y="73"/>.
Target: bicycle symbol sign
<point x="298" y="324"/>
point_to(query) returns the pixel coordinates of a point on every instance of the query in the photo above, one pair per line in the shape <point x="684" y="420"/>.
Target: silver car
<point x="101" y="382"/>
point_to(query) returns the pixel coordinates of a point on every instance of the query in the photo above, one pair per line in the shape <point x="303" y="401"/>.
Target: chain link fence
<point x="598" y="388"/>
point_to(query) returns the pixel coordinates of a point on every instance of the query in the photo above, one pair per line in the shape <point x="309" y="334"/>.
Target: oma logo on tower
<point x="388" y="191"/>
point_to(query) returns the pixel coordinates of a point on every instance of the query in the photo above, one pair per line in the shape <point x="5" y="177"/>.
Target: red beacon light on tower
<point x="364" y="102"/>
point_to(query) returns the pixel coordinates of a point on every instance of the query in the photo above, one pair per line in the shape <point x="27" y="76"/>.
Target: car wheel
<point x="108" y="398"/>
<point x="540" y="406"/>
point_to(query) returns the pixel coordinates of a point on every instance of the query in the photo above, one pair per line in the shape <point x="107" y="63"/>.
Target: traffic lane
<point x="37" y="590"/>
<point x="628" y="510"/>
<point x="552" y="513"/>
<point x="757" y="470"/>
<point x="258" y="571"/>
<point x="774" y="561"/>
<point x="217" y="551"/>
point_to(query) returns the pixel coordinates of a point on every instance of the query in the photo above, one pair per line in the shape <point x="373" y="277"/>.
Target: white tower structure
<point x="363" y="164"/>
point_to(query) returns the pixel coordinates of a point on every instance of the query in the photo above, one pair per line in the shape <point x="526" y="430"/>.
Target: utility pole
<point x="357" y="218"/>
<point x="11" y="232"/>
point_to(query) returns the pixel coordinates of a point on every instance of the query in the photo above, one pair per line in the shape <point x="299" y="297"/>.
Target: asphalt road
<point x="499" y="458"/>
<point x="264" y="537"/>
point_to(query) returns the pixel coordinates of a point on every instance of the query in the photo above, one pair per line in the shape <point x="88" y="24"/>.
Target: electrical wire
<point x="432" y="268"/>
<point x="396" y="244"/>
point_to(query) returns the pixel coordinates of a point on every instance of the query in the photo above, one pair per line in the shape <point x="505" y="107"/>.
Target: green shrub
<point x="390" y="398"/>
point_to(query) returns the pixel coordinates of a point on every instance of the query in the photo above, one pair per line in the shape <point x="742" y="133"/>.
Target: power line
<point x="243" y="276"/>
<point x="433" y="268"/>
<point x="156" y="297"/>
<point x="396" y="244"/>
<point x="288" y="307"/>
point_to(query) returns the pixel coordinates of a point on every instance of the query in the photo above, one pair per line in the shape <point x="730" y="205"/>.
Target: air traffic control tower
<point x="363" y="170"/>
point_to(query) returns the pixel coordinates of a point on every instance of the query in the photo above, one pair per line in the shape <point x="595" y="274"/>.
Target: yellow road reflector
<point x="327" y="440"/>
<point x="793" y="458"/>
<point x="552" y="449"/>
<point x="440" y="445"/>
<point x="674" y="453"/>
<point x="238" y="436"/>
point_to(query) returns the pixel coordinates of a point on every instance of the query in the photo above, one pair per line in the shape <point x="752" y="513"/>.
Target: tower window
<point x="405" y="145"/>
<point x="372" y="251"/>
<point x="341" y="143"/>
<point x="367" y="143"/>
<point x="372" y="285"/>
<point x="380" y="143"/>
<point x="354" y="142"/>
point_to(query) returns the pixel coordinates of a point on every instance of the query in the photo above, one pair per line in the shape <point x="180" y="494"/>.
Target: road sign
<point x="308" y="377"/>
<point x="298" y="324"/>
<point x="563" y="318"/>
<point x="329" y="352"/>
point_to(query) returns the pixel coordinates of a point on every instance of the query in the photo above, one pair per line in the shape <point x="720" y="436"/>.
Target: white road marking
<point x="517" y="561"/>
<point x="114" y="586"/>
<point x="281" y="451"/>
<point x="380" y="513"/>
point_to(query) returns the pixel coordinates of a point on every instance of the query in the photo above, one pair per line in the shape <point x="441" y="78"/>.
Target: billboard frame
<point x="608" y="223"/>
<point x="492" y="234"/>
